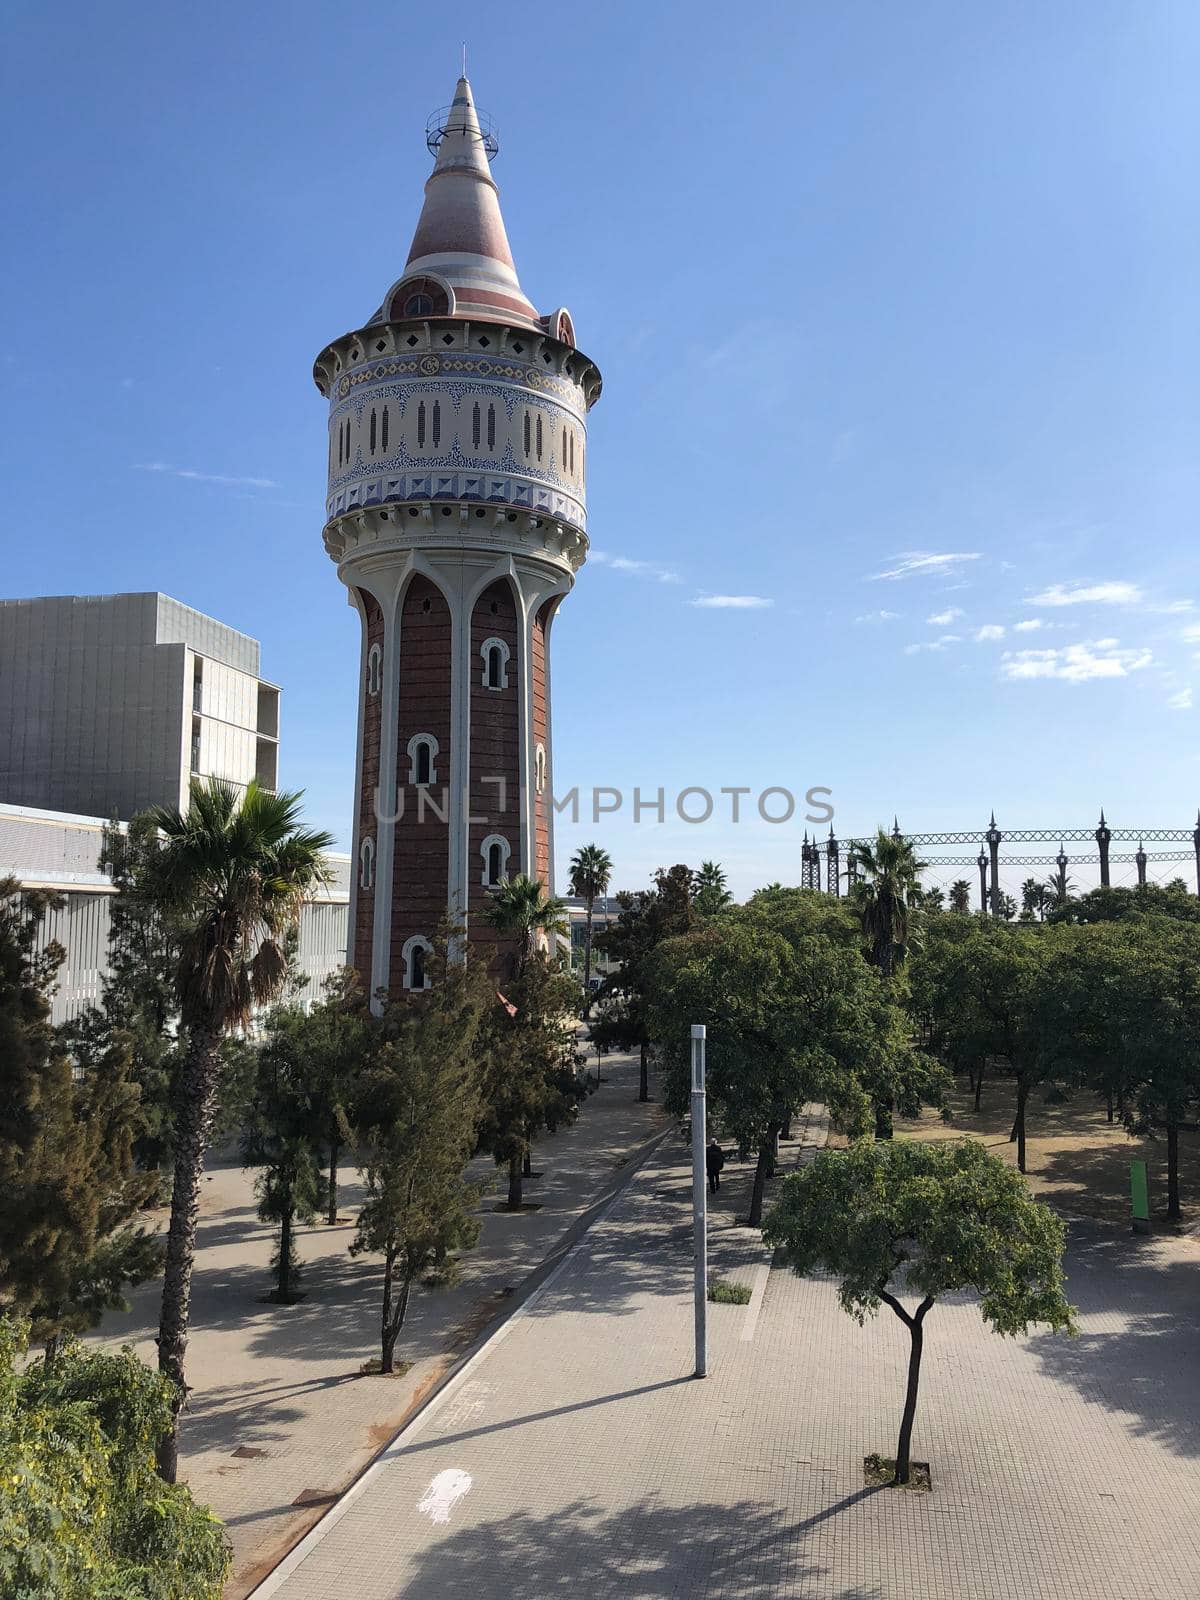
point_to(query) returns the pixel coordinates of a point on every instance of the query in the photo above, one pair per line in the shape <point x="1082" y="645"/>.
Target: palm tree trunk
<point x="193" y="1124"/>
<point x="587" y="958"/>
<point x="643" y="1072"/>
<point x="1022" y="1096"/>
<point x="514" y="1181"/>
<point x="334" y="1151"/>
<point x="1173" y="1207"/>
<point x="283" y="1285"/>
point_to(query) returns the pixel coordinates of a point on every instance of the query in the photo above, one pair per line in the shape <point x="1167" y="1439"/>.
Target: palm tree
<point x="960" y="896"/>
<point x="1033" y="900"/>
<point x="708" y="888"/>
<point x="232" y="873"/>
<point x="521" y="907"/>
<point x="889" y="874"/>
<point x="591" y="870"/>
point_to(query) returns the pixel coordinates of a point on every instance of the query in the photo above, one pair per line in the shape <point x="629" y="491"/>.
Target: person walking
<point x="714" y="1160"/>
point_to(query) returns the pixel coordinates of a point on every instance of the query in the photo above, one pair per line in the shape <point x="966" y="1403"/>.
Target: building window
<point x="374" y="427"/>
<point x="415" y="955"/>
<point x="198" y="685"/>
<point x="418" y="305"/>
<point x="437" y="423"/>
<point x="366" y="864"/>
<point x="195" y="744"/>
<point x="564" y="454"/>
<point x="527" y="435"/>
<point x="539" y="767"/>
<point x="374" y="669"/>
<point x="495" y="852"/>
<point x="347" y="426"/>
<point x="571" y="436"/>
<point x="422" y="758"/>
<point x="421" y="426"/>
<point x="385" y="427"/>
<point x="539" y="438"/>
<point x="491" y="427"/>
<point x="475" y="431"/>
<point x="495" y="655"/>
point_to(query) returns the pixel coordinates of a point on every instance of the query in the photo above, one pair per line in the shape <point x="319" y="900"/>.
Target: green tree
<point x="521" y="908"/>
<point x="82" y="1512"/>
<point x="591" y="872"/>
<point x="709" y="891"/>
<point x="928" y="1220"/>
<point x="280" y="1138"/>
<point x="792" y="1016"/>
<point x="1034" y="900"/>
<point x="889" y="876"/>
<point x="234" y="871"/>
<point x="69" y="1185"/>
<point x="646" y="917"/>
<point x="1172" y="900"/>
<point x="960" y="896"/>
<point x="419" y="1107"/>
<point x="531" y="1081"/>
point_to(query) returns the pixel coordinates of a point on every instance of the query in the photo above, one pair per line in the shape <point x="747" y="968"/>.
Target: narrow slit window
<point x="374" y="430"/>
<point x="491" y="433"/>
<point x="416" y="978"/>
<point x="527" y="434"/>
<point x="422" y="763"/>
<point x="495" y="863"/>
<point x="572" y="440"/>
<point x="437" y="423"/>
<point x="539" y="438"/>
<point x="421" y="426"/>
<point x="475" y="425"/>
<point x="384" y="427"/>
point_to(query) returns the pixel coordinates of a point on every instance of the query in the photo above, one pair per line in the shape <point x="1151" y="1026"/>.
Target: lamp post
<point x="982" y="864"/>
<point x="699" y="1200"/>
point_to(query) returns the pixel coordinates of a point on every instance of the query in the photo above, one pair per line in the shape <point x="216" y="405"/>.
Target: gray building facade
<point x="112" y="703"/>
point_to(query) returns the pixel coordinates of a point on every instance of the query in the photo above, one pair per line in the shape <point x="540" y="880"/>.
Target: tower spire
<point x="460" y="240"/>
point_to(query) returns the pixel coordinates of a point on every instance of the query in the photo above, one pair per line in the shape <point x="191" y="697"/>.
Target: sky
<point x="893" y="484"/>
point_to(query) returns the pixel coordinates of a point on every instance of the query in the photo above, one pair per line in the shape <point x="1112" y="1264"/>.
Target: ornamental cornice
<point x="382" y="531"/>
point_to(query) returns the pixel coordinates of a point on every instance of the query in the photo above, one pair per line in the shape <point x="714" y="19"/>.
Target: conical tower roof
<point x="460" y="239"/>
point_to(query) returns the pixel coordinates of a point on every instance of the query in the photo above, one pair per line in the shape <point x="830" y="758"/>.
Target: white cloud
<point x="1171" y="608"/>
<point x="1191" y="634"/>
<point x="1080" y="594"/>
<point x="878" y="616"/>
<point x="925" y="564"/>
<point x="943" y="643"/>
<point x="1030" y="625"/>
<point x="943" y="619"/>
<point x="1075" y="663"/>
<point x="1182" y="701"/>
<point x="731" y="602"/>
<point x="635" y="569"/>
<point x="990" y="630"/>
<point x="205" y="477"/>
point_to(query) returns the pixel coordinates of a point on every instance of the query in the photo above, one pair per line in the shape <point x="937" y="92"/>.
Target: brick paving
<point x="280" y="1409"/>
<point x="575" y="1455"/>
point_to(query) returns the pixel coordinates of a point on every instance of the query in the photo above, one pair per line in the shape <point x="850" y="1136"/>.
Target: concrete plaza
<point x="575" y="1454"/>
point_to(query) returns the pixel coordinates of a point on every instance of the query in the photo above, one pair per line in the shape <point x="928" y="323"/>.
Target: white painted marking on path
<point x="443" y="1494"/>
<point x="761" y="1273"/>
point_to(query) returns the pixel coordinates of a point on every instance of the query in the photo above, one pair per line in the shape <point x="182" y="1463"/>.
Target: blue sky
<point x="897" y="315"/>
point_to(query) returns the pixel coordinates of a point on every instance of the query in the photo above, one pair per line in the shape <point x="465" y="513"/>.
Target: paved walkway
<point x="576" y="1456"/>
<point x="281" y="1419"/>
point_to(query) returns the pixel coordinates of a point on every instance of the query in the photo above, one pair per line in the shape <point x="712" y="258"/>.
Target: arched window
<point x="495" y="655"/>
<point x="385" y="427"/>
<point x="475" y="425"/>
<point x="421" y="426"/>
<point x="415" y="954"/>
<point x="366" y="864"/>
<point x="418" y="305"/>
<point x="374" y="426"/>
<point x="422" y="758"/>
<point x="374" y="669"/>
<point x="539" y="767"/>
<point x="491" y="427"/>
<point x="495" y="851"/>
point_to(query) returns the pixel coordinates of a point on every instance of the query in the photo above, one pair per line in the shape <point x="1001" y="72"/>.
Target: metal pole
<point x="699" y="1200"/>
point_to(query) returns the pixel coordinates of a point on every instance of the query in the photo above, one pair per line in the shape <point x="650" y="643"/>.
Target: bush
<point x="723" y="1293"/>
<point x="83" y="1513"/>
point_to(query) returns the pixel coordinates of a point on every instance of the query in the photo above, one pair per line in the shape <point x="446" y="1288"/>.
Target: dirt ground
<point x="1075" y="1159"/>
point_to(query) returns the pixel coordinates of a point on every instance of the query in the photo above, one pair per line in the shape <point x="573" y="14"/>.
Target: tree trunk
<point x="193" y="1123"/>
<point x="760" y="1182"/>
<point x="527" y="1158"/>
<point x="1019" y="1125"/>
<point x="1173" y="1209"/>
<point x="52" y="1347"/>
<point x="393" y="1321"/>
<point x="786" y="1131"/>
<point x="643" y="1073"/>
<point x="1108" y="1107"/>
<point x="514" y="1182"/>
<point x="883" y="1119"/>
<point x="283" y="1284"/>
<point x="334" y="1151"/>
<point x="978" y="1085"/>
<point x="917" y="1334"/>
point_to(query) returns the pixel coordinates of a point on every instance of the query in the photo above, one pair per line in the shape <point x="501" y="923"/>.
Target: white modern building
<point x="112" y="703"/>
